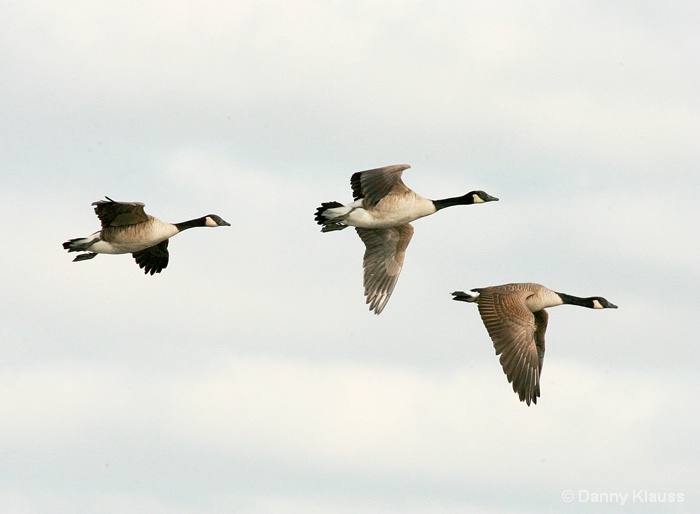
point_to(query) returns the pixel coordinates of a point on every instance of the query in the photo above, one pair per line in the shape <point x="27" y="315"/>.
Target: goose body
<point x="382" y="212"/>
<point x="126" y="228"/>
<point x="392" y="211"/>
<point x="516" y="320"/>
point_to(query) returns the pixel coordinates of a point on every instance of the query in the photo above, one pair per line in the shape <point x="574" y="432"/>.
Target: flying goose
<point x="126" y="228"/>
<point x="516" y="320"/>
<point x="381" y="214"/>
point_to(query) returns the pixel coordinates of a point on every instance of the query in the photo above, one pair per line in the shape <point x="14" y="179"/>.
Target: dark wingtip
<point x="147" y="270"/>
<point x="529" y="398"/>
<point x="100" y="202"/>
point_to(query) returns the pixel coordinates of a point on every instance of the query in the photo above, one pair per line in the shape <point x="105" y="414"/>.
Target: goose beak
<point x="490" y="198"/>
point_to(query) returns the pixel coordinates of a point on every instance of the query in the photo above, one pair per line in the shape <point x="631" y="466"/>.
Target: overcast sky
<point x="250" y="376"/>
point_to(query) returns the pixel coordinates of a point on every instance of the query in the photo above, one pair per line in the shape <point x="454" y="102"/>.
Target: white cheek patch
<point x="477" y="199"/>
<point x="597" y="305"/>
<point x="210" y="222"/>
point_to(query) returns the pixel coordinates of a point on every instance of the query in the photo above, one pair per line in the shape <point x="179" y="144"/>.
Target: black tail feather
<point x="68" y="245"/>
<point x="461" y="296"/>
<point x="319" y="217"/>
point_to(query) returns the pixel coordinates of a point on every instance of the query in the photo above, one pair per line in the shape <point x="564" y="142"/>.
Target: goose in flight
<point x="516" y="320"/>
<point x="382" y="214"/>
<point x="126" y="228"/>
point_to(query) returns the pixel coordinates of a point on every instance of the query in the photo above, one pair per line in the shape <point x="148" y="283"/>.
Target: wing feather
<point x="375" y="184"/>
<point x="118" y="214"/>
<point x="518" y="337"/>
<point x="385" y="250"/>
<point x="153" y="259"/>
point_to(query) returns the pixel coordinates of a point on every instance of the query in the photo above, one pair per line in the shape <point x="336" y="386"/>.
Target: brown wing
<point x="373" y="185"/>
<point x="383" y="260"/>
<point x="153" y="259"/>
<point x="541" y="319"/>
<point x="118" y="214"/>
<point x="518" y="337"/>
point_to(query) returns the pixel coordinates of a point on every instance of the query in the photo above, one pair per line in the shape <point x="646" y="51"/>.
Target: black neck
<point x="199" y="222"/>
<point x="449" y="202"/>
<point x="575" y="300"/>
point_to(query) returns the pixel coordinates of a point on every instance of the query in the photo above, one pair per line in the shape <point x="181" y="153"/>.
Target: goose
<point x="381" y="214"/>
<point x="516" y="320"/>
<point x="126" y="228"/>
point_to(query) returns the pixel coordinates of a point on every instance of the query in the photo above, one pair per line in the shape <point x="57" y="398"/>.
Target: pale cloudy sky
<point x="249" y="376"/>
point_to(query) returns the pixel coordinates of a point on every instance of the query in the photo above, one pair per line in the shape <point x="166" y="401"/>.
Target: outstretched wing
<point x="383" y="260"/>
<point x="153" y="259"/>
<point x="118" y="214"/>
<point x="541" y="319"/>
<point x="518" y="337"/>
<point x="373" y="185"/>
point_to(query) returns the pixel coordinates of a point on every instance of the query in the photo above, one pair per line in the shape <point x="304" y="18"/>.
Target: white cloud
<point x="387" y="424"/>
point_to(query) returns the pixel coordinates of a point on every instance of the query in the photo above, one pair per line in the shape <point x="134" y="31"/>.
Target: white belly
<point x="134" y="238"/>
<point x="389" y="214"/>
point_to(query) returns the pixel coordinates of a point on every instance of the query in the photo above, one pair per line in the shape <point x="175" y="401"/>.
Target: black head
<point x="480" y="197"/>
<point x="601" y="303"/>
<point x="212" y="220"/>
